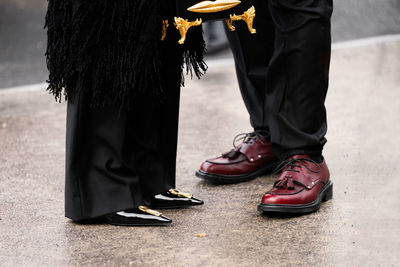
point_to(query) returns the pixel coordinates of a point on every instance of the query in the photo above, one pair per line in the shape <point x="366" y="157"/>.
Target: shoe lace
<point x="292" y="165"/>
<point x="249" y="137"/>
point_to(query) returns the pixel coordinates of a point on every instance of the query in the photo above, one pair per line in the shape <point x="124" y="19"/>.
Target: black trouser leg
<point x="297" y="74"/>
<point x="252" y="54"/>
<point x="99" y="178"/>
<point x="117" y="161"/>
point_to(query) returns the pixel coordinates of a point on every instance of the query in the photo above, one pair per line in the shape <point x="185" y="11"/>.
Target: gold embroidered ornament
<point x="213" y="6"/>
<point x="190" y="13"/>
<point x="149" y="211"/>
<point x="180" y="194"/>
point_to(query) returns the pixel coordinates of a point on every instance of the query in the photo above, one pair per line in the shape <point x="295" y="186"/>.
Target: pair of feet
<point x="144" y="216"/>
<point x="303" y="183"/>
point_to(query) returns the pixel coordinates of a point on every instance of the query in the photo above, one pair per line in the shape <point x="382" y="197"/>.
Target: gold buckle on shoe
<point x="149" y="211"/>
<point x="180" y="194"/>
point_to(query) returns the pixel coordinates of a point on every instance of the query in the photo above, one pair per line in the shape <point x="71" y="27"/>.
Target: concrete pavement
<point x="359" y="227"/>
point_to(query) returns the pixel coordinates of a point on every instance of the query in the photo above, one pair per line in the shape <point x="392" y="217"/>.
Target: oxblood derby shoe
<point x="252" y="158"/>
<point x="174" y="199"/>
<point x="301" y="187"/>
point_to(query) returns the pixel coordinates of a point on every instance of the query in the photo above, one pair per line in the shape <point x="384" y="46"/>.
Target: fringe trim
<point x="110" y="50"/>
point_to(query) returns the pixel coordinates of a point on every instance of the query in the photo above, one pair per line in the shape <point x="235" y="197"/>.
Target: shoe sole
<point x="233" y="179"/>
<point x="137" y="224"/>
<point x="325" y="195"/>
<point x="174" y="207"/>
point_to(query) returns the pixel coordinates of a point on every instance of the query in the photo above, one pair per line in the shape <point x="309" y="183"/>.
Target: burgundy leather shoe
<point x="301" y="187"/>
<point x="252" y="158"/>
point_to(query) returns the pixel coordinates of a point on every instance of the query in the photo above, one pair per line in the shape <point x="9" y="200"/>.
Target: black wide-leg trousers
<point x="117" y="160"/>
<point x="283" y="72"/>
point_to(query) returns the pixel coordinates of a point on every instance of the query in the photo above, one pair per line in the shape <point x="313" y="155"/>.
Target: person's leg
<point x="155" y="140"/>
<point x="155" y="134"/>
<point x="252" y="54"/>
<point x="297" y="85"/>
<point x="99" y="178"/>
<point x="298" y="73"/>
<point x="117" y="160"/>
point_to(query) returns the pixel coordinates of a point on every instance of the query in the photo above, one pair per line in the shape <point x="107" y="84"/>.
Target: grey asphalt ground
<point x="23" y="40"/>
<point x="359" y="227"/>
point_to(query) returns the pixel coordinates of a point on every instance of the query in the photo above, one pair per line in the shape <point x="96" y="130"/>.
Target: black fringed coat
<point x="110" y="49"/>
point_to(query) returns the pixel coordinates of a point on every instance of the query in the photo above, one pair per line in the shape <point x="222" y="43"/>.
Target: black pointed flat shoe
<point x="142" y="216"/>
<point x="174" y="199"/>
